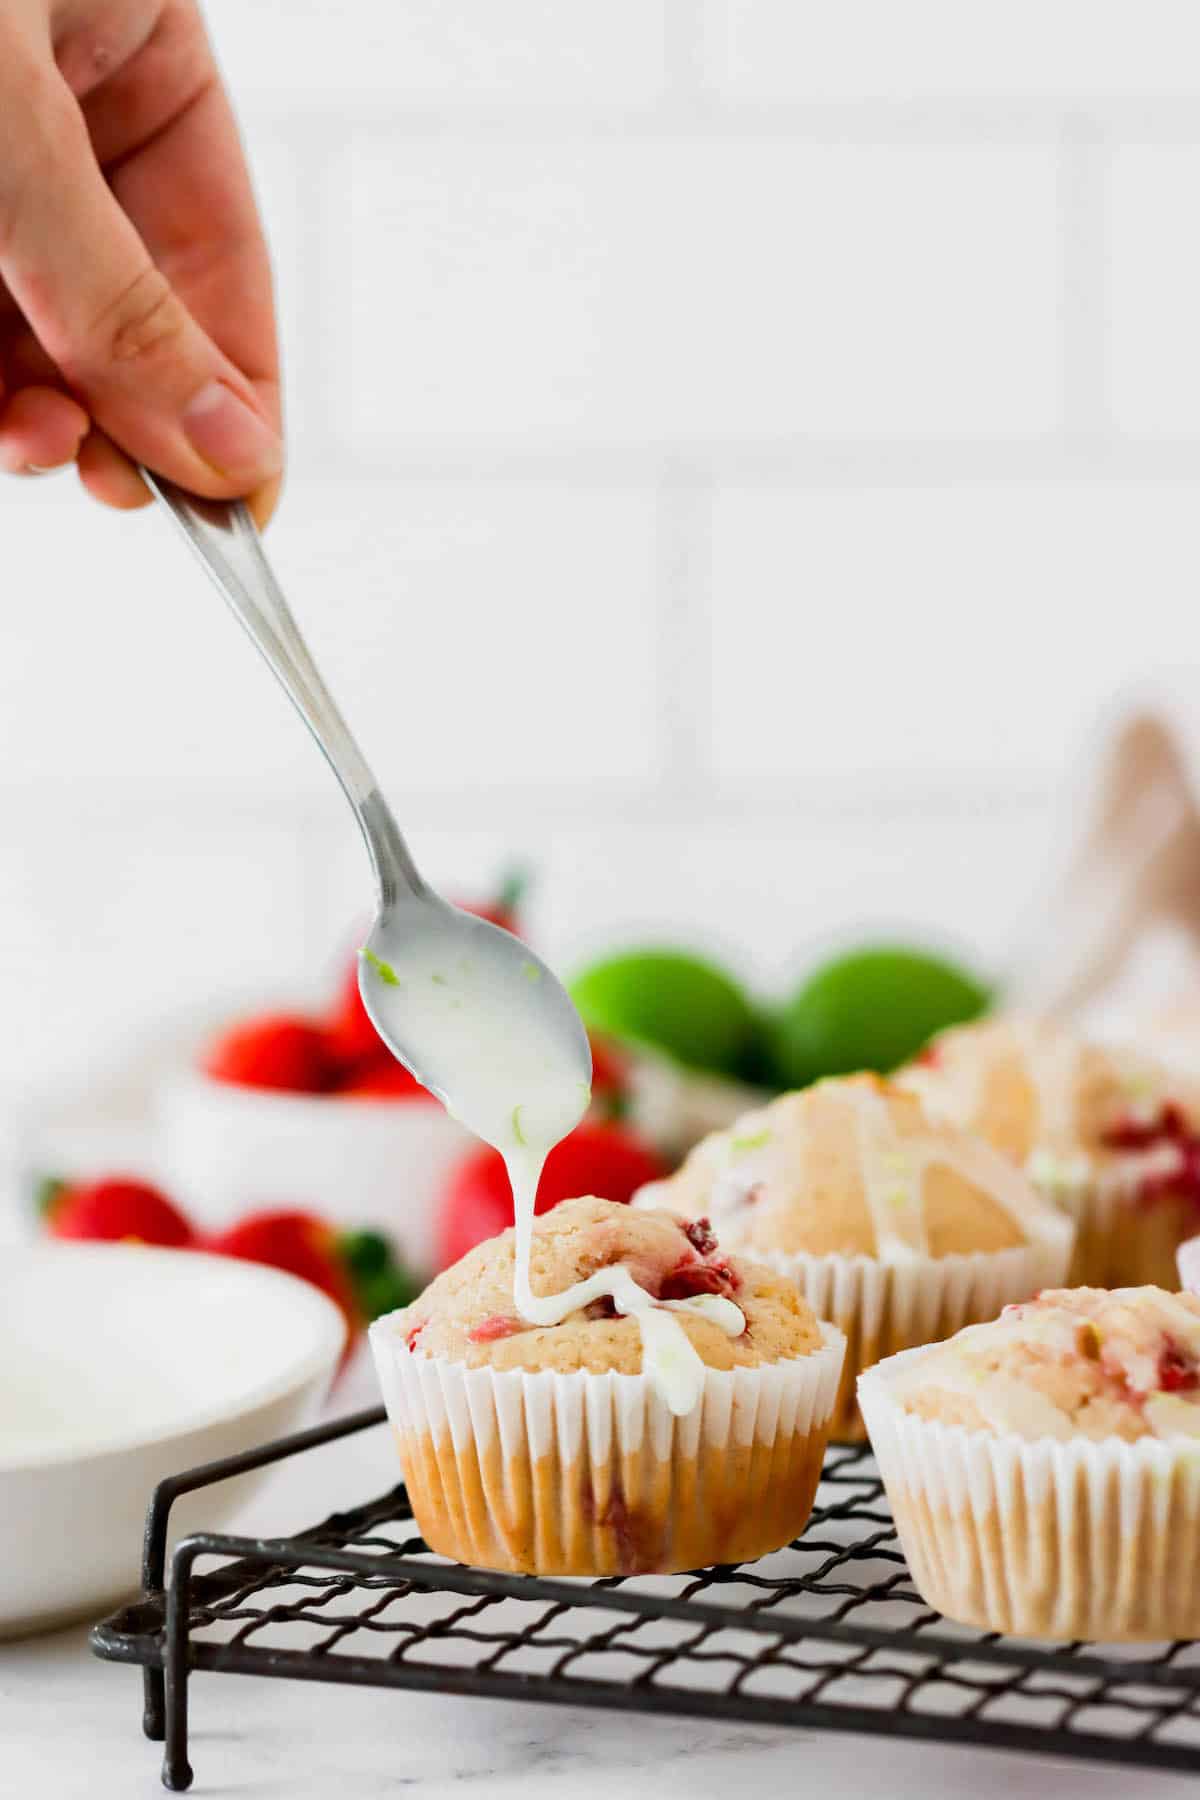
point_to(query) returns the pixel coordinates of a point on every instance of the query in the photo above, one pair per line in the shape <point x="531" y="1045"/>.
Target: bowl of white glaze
<point x="120" y="1364"/>
<point x="227" y="1150"/>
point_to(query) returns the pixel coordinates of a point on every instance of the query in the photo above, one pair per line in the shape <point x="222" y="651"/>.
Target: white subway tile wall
<point x="1023" y="49"/>
<point x="929" y="631"/>
<point x="738" y="445"/>
<point x="1155" y="261"/>
<point x="680" y="290"/>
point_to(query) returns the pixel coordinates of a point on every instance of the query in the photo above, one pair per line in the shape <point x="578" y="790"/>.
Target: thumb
<point x="151" y="378"/>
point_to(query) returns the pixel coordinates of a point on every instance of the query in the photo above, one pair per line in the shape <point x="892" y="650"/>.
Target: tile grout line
<point x="317" y="329"/>
<point x="685" y="91"/>
<point x="1083" y="185"/>
<point x="689" y="106"/>
<point x="808" y="462"/>
<point x="321" y="820"/>
<point x="683" y="632"/>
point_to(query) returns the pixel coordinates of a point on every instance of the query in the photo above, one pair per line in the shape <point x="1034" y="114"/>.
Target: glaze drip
<point x="894" y="1166"/>
<point x="669" y="1360"/>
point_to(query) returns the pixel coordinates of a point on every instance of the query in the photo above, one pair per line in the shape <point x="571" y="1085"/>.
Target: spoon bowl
<point x="457" y="999"/>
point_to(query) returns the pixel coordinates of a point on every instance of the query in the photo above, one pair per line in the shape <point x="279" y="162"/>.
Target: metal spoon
<point x="469" y="1009"/>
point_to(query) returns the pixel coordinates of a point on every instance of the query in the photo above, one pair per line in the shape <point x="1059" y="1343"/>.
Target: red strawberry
<point x="688" y="1278"/>
<point x="499" y="1325"/>
<point x="383" y="1080"/>
<point x="352" y="1037"/>
<point x="277" y="1050"/>
<point x="295" y="1241"/>
<point x="610" y="1079"/>
<point x="117" y="1210"/>
<point x="701" y="1236"/>
<point x="1170" y="1126"/>
<point x="476" y="1202"/>
<point x="356" y="1269"/>
<point x="1177" y="1371"/>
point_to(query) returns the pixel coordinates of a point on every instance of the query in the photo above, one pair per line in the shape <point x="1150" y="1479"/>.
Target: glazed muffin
<point x="896" y="1229"/>
<point x="1044" y="1469"/>
<point x="1109" y="1135"/>
<point x="568" y="1448"/>
<point x="1170" y="1034"/>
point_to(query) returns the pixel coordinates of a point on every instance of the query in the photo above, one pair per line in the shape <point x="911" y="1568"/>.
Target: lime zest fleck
<point x="516" y="1125"/>
<point x="755" y="1141"/>
<point x="531" y="972"/>
<point x="384" y="970"/>
<point x="439" y="979"/>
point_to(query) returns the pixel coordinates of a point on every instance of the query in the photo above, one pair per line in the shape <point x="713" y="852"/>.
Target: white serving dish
<point x="225" y="1150"/>
<point x="120" y="1364"/>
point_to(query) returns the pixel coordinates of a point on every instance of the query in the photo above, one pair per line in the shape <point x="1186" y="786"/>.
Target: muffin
<point x="1108" y="1135"/>
<point x="898" y="1230"/>
<point x="577" y="1449"/>
<point x="1044" y="1469"/>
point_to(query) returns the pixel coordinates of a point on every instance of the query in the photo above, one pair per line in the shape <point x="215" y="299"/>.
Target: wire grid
<point x="829" y="1631"/>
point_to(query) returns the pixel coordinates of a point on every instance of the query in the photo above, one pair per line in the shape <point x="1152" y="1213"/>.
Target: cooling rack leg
<point x="154" y="1548"/>
<point x="153" y="1704"/>
<point x="176" y="1769"/>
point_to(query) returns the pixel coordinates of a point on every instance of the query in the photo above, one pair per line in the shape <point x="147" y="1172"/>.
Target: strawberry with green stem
<point x="118" y="1209"/>
<point x="355" y="1268"/>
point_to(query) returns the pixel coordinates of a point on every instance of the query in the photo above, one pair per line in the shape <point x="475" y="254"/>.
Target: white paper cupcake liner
<point x="1041" y="1538"/>
<point x="588" y="1474"/>
<point x="883" y="1307"/>
<point x="1121" y="1239"/>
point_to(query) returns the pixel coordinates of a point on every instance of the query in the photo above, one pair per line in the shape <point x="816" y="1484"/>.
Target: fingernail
<point x="40" y="469"/>
<point x="236" y="440"/>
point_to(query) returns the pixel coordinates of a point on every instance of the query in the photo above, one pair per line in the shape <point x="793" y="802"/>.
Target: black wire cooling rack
<point x="827" y="1633"/>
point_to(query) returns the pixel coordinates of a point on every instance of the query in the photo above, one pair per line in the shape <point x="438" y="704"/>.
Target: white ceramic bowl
<point x="226" y="1150"/>
<point x="120" y="1364"/>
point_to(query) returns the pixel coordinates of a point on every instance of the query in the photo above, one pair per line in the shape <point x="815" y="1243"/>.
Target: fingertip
<point x="109" y="476"/>
<point x="264" y="501"/>
<point x="238" y="443"/>
<point x="41" y="429"/>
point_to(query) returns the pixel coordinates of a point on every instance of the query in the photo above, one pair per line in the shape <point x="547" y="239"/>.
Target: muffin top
<point x="1061" y="1107"/>
<point x="853" y="1167"/>
<point x="467" y="1313"/>
<point x="1075" y="1362"/>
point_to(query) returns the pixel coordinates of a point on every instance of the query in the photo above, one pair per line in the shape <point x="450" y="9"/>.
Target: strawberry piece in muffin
<point x="1075" y="1361"/>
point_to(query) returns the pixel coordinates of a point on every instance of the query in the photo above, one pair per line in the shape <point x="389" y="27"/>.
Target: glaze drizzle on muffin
<point x="1089" y="1362"/>
<point x="467" y="1314"/>
<point x="853" y="1167"/>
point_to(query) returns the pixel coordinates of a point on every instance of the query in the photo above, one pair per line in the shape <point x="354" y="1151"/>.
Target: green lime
<point x="870" y="1009"/>
<point x="674" y="1002"/>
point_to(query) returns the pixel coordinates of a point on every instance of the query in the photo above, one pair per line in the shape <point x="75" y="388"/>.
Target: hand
<point x="136" y="317"/>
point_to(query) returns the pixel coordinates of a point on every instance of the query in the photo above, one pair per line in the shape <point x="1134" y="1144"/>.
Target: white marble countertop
<point x="70" y="1730"/>
<point x="70" y="1726"/>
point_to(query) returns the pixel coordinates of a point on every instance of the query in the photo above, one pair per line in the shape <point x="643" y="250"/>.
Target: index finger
<point x="165" y="132"/>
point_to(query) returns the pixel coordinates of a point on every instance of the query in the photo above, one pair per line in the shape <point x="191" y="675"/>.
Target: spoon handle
<point x="223" y="535"/>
